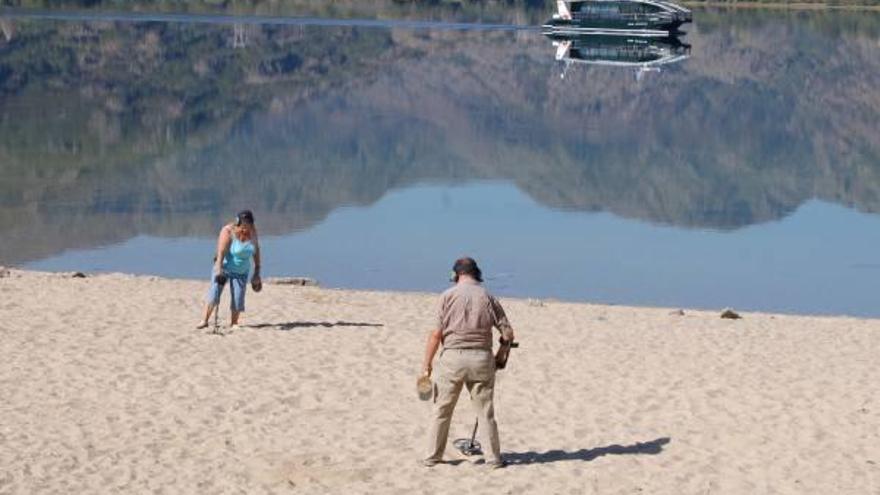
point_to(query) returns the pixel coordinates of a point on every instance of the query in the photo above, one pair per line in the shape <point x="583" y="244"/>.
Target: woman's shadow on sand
<point x="292" y="325"/>
<point x="653" y="447"/>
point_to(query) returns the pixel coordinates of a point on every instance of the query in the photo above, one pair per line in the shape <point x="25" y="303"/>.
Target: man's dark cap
<point x="468" y="266"/>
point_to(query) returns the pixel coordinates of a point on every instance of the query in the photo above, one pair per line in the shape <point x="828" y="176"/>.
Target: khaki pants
<point x="475" y="369"/>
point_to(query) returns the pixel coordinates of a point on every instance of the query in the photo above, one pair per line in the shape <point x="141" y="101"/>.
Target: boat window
<point x="600" y="9"/>
<point x="638" y="8"/>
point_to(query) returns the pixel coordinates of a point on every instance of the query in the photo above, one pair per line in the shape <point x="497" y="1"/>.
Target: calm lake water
<point x="375" y="145"/>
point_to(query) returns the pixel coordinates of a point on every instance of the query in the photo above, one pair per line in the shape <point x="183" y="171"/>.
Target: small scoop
<point x="424" y="387"/>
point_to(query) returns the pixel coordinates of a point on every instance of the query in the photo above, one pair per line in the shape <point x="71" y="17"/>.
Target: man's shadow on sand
<point x="653" y="447"/>
<point x="291" y="325"/>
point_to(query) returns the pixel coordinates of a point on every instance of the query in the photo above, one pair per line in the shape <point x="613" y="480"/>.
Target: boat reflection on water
<point x="644" y="54"/>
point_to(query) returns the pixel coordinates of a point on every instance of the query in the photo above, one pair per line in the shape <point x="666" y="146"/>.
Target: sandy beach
<point x="107" y="387"/>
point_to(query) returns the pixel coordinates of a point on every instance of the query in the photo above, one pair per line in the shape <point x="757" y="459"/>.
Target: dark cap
<point x="245" y="217"/>
<point x="467" y="266"/>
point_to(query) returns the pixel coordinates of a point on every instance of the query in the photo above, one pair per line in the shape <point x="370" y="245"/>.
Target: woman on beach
<point x="237" y="245"/>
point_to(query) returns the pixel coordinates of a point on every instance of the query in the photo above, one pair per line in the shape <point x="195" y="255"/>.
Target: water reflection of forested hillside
<point x="110" y="130"/>
<point x="510" y="11"/>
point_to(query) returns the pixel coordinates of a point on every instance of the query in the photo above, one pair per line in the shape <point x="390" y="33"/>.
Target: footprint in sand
<point x="306" y="473"/>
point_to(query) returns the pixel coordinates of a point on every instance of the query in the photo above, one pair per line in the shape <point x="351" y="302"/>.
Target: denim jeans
<point x="238" y="286"/>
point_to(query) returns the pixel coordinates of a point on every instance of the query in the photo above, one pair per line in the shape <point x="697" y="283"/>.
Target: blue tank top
<point x="238" y="259"/>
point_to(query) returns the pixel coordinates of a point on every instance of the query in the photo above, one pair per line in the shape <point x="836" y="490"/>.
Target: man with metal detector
<point x="464" y="327"/>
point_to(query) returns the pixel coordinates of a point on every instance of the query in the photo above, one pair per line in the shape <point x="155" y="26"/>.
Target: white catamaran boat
<point x="617" y="17"/>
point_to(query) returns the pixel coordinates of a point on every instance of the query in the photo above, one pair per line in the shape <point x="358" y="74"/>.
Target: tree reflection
<point x="110" y="130"/>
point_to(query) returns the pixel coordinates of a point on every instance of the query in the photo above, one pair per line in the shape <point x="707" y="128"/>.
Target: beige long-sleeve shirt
<point x="466" y="317"/>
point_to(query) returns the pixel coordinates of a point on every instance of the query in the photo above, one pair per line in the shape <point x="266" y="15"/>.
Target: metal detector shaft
<point x="223" y="279"/>
<point x="231" y="300"/>
<point x="474" y="434"/>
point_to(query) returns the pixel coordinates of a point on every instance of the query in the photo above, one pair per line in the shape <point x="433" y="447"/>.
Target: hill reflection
<point x="111" y="130"/>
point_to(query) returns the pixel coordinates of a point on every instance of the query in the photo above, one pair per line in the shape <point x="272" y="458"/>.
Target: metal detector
<point x="470" y="446"/>
<point x="231" y="302"/>
<point x="221" y="280"/>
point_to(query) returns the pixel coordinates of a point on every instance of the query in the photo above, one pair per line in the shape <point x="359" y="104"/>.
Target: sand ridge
<point x="107" y="387"/>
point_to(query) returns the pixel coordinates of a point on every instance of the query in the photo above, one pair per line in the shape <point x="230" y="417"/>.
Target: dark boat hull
<point x="645" y="27"/>
<point x="612" y="17"/>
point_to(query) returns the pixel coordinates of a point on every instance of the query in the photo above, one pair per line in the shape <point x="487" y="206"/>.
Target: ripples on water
<point x="120" y="137"/>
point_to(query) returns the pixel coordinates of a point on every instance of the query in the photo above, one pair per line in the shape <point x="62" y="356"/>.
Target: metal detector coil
<point x="469" y="446"/>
